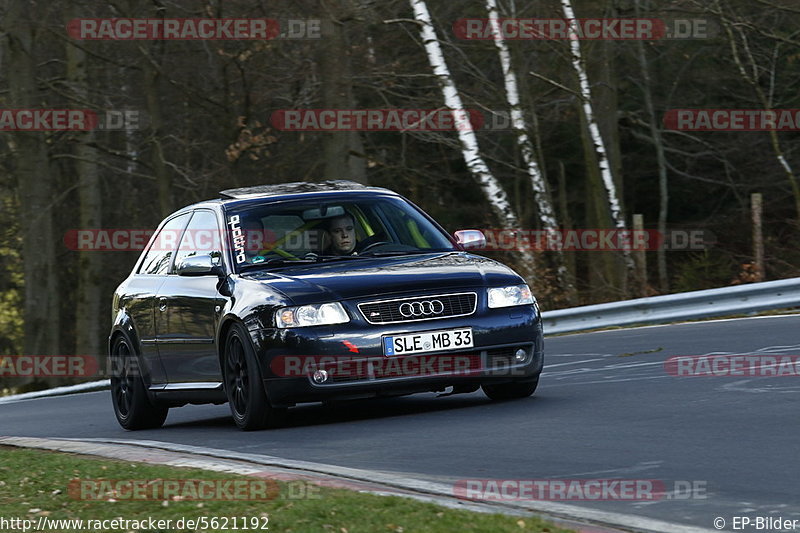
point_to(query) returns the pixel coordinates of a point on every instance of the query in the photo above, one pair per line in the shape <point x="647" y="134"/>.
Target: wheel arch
<point x="124" y="327"/>
<point x="225" y="326"/>
<point x="226" y="323"/>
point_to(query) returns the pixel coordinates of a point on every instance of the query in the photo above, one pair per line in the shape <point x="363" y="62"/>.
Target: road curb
<point x="584" y="520"/>
<point x="58" y="391"/>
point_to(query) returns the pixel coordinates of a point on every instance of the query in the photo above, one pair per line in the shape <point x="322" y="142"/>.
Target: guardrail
<point x="738" y="299"/>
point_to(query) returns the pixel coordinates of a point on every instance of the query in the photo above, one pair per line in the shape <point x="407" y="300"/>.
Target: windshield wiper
<point x="405" y="252"/>
<point x="325" y="258"/>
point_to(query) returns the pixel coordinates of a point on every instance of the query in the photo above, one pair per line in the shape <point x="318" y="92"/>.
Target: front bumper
<point x="497" y="333"/>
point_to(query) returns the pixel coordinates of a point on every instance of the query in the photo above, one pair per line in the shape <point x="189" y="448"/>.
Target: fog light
<point x="520" y="355"/>
<point x="320" y="376"/>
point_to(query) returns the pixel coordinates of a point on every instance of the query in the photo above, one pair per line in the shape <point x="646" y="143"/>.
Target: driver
<point x="342" y="233"/>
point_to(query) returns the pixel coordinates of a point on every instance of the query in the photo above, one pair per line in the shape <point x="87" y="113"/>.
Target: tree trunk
<point x="603" y="272"/>
<point x="153" y="95"/>
<point x="35" y="191"/>
<point x="343" y="151"/>
<point x="89" y="301"/>
<point x="566" y="223"/>
<point x="661" y="160"/>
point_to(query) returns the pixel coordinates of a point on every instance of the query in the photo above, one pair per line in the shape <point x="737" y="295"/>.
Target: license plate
<point x="429" y="341"/>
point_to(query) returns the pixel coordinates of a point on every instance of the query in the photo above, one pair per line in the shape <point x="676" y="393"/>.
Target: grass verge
<point x="35" y="483"/>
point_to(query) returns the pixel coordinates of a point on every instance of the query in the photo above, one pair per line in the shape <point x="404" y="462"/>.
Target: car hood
<point x="380" y="276"/>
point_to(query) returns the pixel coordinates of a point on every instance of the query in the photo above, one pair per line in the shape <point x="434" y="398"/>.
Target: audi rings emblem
<point x="423" y="308"/>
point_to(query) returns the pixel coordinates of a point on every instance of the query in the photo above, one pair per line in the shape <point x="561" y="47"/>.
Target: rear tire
<point x="511" y="391"/>
<point x="244" y="386"/>
<point x="132" y="405"/>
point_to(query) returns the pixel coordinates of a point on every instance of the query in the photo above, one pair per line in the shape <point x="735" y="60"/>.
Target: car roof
<point x="241" y="197"/>
<point x="296" y="187"/>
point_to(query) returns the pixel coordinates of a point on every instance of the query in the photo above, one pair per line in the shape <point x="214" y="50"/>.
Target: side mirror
<point x="470" y="239"/>
<point x="199" y="265"/>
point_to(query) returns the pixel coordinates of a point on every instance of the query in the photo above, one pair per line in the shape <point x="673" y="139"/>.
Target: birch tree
<point x="494" y="193"/>
<point x="541" y="194"/>
<point x="579" y="65"/>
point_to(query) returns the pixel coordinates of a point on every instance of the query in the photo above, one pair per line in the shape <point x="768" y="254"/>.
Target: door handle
<point x="162" y="303"/>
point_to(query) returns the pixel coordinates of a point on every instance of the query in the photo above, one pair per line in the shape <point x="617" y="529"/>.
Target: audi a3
<point x="272" y="296"/>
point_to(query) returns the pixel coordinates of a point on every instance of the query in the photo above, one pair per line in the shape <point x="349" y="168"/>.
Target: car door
<point x="143" y="287"/>
<point x="188" y="310"/>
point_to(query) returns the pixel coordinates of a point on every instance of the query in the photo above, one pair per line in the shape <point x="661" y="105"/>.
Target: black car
<point x="306" y="292"/>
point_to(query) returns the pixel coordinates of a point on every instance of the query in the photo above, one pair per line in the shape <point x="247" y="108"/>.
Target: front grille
<point x="419" y="308"/>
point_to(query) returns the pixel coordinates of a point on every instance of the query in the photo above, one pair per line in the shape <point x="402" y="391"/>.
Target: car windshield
<point x="276" y="234"/>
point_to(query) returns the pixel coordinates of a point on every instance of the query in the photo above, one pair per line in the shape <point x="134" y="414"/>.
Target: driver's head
<point x="343" y="234"/>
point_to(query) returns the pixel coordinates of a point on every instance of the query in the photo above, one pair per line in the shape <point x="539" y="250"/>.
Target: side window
<point x="159" y="255"/>
<point x="201" y="236"/>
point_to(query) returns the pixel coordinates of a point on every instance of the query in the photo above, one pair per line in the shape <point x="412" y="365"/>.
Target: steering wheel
<point x="373" y="245"/>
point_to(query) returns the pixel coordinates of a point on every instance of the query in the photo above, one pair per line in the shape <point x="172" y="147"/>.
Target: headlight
<point x="510" y="296"/>
<point x="311" y="315"/>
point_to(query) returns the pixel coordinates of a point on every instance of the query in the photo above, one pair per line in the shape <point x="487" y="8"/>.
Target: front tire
<point x="132" y="405"/>
<point x="244" y="387"/>
<point x="511" y="391"/>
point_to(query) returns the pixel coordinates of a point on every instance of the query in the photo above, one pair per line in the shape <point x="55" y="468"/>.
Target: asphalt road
<point x="605" y="409"/>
